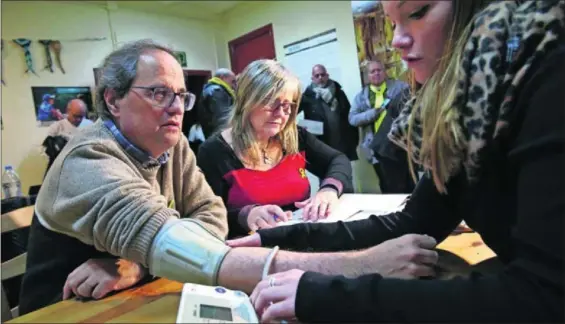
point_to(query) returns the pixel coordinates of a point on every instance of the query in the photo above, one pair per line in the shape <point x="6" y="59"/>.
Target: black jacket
<point x="315" y="109"/>
<point x="214" y="108"/>
<point x="516" y="206"/>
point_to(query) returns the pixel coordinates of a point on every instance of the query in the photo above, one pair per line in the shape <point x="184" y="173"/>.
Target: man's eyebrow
<point x="162" y="85"/>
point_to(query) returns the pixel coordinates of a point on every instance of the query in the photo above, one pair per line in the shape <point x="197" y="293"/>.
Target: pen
<point x="404" y="201"/>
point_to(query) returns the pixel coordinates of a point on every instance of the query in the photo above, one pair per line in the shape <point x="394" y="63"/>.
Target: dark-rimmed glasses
<point x="163" y="97"/>
<point x="287" y="106"/>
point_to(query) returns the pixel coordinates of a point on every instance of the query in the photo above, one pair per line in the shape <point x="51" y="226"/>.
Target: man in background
<point x="374" y="109"/>
<point x="76" y="111"/>
<point x="216" y="101"/>
<point x="325" y="102"/>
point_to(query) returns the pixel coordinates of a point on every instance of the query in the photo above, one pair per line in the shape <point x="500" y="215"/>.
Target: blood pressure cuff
<point x="185" y="251"/>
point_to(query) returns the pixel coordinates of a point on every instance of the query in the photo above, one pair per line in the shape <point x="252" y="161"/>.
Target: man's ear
<point x="110" y="98"/>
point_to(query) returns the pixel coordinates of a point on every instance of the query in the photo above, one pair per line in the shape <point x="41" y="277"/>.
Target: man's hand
<point x="97" y="277"/>
<point x="320" y="206"/>
<point x="409" y="256"/>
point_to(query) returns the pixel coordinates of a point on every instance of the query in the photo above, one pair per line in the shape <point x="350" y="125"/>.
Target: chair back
<point x="12" y="221"/>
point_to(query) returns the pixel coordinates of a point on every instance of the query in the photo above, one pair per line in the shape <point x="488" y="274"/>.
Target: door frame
<point x="267" y="29"/>
<point x="206" y="73"/>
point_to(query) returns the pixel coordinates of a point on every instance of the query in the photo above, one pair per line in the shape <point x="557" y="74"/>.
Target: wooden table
<point x="17" y="218"/>
<point x="157" y="302"/>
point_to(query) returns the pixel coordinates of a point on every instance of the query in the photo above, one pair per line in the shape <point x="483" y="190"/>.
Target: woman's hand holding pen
<point x="266" y="216"/>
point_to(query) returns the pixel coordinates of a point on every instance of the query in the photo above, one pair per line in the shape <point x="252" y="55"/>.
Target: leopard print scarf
<point x="507" y="38"/>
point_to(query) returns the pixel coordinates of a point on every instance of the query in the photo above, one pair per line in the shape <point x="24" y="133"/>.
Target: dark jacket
<point x="214" y="108"/>
<point x="364" y="115"/>
<point x="53" y="146"/>
<point x="315" y="109"/>
<point x="516" y="206"/>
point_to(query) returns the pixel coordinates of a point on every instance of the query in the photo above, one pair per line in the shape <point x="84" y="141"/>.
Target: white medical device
<point x="209" y="304"/>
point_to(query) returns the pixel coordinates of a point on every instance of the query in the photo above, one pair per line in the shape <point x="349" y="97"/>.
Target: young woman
<point x="488" y="126"/>
<point x="258" y="165"/>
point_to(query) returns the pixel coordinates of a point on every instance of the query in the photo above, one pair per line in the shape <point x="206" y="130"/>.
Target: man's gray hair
<point x="119" y="70"/>
<point x="223" y="72"/>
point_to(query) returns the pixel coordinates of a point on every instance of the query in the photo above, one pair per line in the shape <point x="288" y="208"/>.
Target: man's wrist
<point x="353" y="263"/>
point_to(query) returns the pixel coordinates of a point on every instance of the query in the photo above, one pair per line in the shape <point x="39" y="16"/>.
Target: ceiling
<point x="205" y="10"/>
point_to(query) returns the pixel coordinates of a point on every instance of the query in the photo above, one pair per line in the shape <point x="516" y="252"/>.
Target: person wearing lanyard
<point x="374" y="109"/>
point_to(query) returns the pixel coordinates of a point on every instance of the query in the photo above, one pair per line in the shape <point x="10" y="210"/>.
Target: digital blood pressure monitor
<point x="208" y="304"/>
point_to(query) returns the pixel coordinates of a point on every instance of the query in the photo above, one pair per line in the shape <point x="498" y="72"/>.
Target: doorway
<point x="255" y="45"/>
<point x="194" y="81"/>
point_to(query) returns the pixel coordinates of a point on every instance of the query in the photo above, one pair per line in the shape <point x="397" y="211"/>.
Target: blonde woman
<point x="258" y="164"/>
<point x="488" y="126"/>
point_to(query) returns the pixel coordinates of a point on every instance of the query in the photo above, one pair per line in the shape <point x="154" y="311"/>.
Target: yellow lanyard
<point x="379" y="100"/>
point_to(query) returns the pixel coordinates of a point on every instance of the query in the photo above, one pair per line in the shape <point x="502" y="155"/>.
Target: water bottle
<point x="11" y="184"/>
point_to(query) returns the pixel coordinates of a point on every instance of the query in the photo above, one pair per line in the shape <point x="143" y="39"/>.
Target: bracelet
<point x="269" y="261"/>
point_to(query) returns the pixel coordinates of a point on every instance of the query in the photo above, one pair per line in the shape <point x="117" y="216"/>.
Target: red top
<point x="241" y="189"/>
<point x="284" y="184"/>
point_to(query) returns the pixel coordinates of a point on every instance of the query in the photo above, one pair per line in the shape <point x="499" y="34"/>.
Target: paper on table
<point x="343" y="215"/>
<point x="312" y="126"/>
<point x="356" y="207"/>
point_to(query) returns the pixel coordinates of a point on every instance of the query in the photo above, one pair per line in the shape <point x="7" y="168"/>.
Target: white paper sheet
<point x="355" y="207"/>
<point x="312" y="126"/>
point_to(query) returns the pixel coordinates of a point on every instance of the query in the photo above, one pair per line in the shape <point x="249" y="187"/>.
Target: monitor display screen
<point x="215" y="312"/>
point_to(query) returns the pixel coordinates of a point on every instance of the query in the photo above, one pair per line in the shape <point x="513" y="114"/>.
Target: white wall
<point x="295" y="20"/>
<point x="21" y="137"/>
<point x="194" y="37"/>
<point x="204" y="42"/>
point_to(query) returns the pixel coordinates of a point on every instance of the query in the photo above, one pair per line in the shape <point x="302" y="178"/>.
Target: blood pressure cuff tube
<point x="186" y="251"/>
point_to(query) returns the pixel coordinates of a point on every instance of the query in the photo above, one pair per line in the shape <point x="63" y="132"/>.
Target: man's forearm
<point x="242" y="267"/>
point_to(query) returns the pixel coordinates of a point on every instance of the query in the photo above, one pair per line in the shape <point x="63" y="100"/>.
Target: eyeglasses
<point x="320" y="75"/>
<point x="163" y="97"/>
<point x="287" y="106"/>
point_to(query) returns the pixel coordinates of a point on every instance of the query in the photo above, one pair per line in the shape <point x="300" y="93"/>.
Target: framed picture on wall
<point x="50" y="103"/>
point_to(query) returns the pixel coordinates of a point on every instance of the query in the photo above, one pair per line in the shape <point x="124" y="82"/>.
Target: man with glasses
<point x="120" y="180"/>
<point x="324" y="101"/>
<point x="129" y="187"/>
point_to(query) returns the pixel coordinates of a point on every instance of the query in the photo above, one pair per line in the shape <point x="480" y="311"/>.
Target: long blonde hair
<point x="260" y="84"/>
<point x="442" y="135"/>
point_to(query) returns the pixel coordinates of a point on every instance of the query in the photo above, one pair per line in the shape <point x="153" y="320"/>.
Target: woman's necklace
<point x="266" y="159"/>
